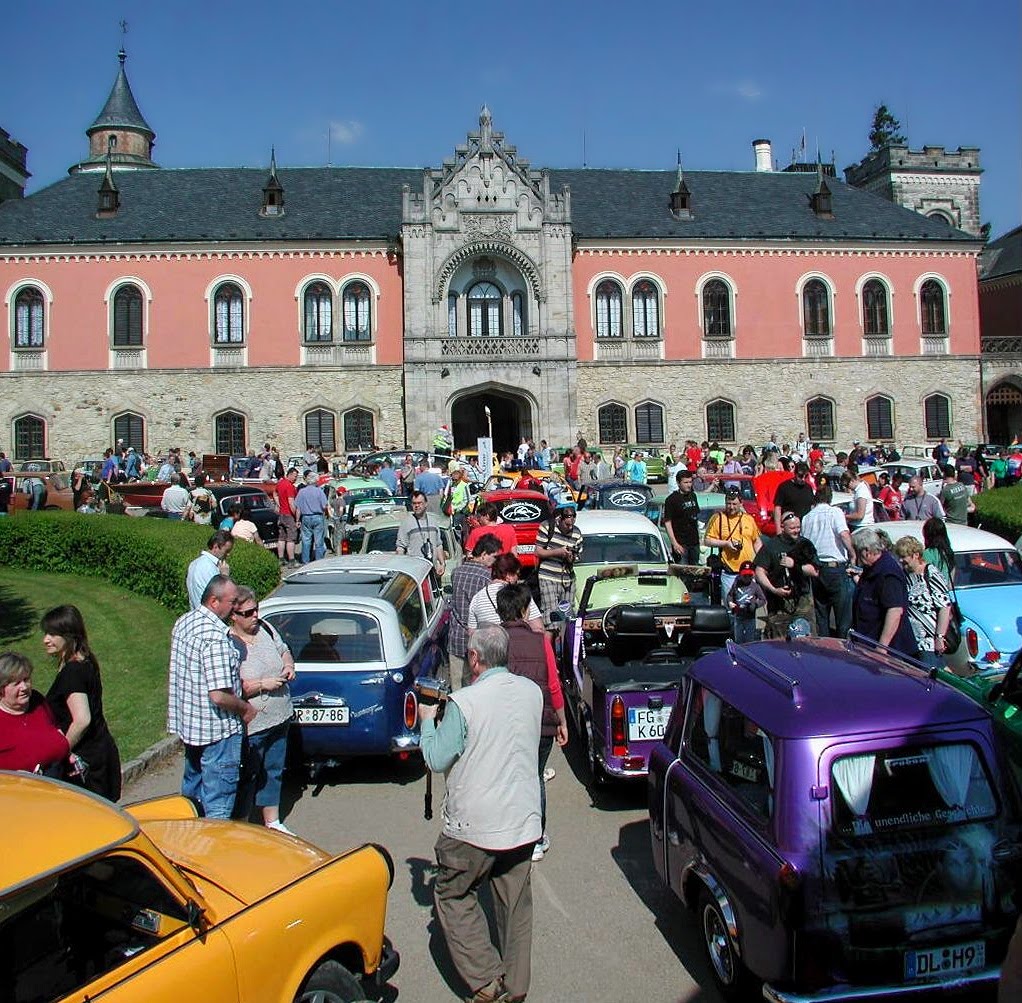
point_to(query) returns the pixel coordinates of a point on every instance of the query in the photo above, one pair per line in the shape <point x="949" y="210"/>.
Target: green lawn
<point x="129" y="635"/>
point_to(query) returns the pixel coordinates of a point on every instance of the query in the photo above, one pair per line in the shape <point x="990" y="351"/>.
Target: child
<point x="743" y="600"/>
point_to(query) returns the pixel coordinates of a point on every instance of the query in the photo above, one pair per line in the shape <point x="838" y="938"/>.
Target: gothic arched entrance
<point x="1004" y="412"/>
<point x="510" y="418"/>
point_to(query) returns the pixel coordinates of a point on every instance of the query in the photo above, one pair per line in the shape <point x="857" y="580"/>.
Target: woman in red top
<point x="890" y="494"/>
<point x="29" y="737"/>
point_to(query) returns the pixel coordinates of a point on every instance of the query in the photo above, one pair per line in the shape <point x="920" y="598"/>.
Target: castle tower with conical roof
<point x="120" y="121"/>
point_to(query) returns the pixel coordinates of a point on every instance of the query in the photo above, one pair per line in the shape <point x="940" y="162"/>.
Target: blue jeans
<point x="832" y="591"/>
<point x="313" y="530"/>
<point x="546" y="744"/>
<point x="211" y="775"/>
<point x="745" y="629"/>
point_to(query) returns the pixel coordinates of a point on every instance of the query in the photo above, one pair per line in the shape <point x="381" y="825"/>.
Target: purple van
<point x="838" y="820"/>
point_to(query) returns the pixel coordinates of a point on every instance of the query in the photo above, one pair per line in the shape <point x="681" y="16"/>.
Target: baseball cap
<point x="746" y="568"/>
<point x="732" y="492"/>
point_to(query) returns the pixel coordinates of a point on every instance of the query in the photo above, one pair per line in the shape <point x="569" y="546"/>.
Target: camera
<point x="431" y="690"/>
<point x="427" y="550"/>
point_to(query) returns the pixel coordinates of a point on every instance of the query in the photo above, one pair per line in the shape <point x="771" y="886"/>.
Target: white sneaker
<point x="541" y="847"/>
<point x="548" y="774"/>
<point x="277" y="826"/>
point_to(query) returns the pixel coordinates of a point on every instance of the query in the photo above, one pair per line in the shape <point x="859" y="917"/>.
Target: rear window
<point x="342" y="637"/>
<point x="249" y="503"/>
<point x="895" y="790"/>
<point x="622" y="548"/>
<point x="383" y="540"/>
<point x="988" y="567"/>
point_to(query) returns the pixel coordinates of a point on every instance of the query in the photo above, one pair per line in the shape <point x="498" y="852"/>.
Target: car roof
<point x="347" y="564"/>
<point x="395" y="518"/>
<point x="816" y="687"/>
<point x="963" y="538"/>
<point x="595" y="521"/>
<point x="223" y="490"/>
<point x="356" y="483"/>
<point x="51" y="825"/>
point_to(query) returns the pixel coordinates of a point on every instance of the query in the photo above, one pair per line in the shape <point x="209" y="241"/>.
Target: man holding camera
<point x="558" y="547"/>
<point x="485" y="743"/>
<point x="785" y="567"/>
<point x="419" y="534"/>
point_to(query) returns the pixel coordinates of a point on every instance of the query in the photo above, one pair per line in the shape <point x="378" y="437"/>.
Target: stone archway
<point x="511" y="417"/>
<point x="1004" y="411"/>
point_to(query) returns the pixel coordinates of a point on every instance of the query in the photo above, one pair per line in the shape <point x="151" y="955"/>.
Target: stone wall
<point x="770" y="394"/>
<point x="178" y="405"/>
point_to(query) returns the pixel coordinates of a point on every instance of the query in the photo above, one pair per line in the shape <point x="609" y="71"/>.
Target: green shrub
<point x="150" y="557"/>
<point x="1000" y="511"/>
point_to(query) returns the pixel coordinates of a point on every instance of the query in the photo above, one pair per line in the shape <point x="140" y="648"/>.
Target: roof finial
<point x="273" y="162"/>
<point x="122" y="55"/>
<point x="485" y="128"/>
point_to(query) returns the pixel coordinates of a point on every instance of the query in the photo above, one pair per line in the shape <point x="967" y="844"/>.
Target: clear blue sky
<point x="400" y="83"/>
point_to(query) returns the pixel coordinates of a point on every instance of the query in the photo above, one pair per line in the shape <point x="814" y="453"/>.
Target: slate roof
<point x="339" y="203"/>
<point x="1002" y="256"/>
<point x="121" y="111"/>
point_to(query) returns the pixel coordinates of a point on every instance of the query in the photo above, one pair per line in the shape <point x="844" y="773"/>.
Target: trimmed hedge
<point x="1000" y="511"/>
<point x="148" y="556"/>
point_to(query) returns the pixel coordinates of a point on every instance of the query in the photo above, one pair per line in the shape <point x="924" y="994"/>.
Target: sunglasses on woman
<point x="251" y="611"/>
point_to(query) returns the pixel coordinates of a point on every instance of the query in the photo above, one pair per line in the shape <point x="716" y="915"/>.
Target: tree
<point x="886" y="129"/>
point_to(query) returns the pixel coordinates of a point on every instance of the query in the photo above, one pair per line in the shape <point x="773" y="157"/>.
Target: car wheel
<point x="331" y="982"/>
<point x="728" y="971"/>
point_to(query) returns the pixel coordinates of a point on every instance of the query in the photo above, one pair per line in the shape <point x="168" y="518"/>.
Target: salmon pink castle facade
<point x="347" y="307"/>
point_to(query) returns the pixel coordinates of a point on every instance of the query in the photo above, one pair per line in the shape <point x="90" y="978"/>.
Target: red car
<point x="526" y="511"/>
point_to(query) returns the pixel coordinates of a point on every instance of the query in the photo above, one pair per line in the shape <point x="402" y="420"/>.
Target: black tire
<point x="331" y="982"/>
<point x="730" y="975"/>
<point x="596" y="775"/>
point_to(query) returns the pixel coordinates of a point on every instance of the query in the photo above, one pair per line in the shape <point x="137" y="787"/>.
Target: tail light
<point x="411" y="710"/>
<point x="345" y="547"/>
<point x="992" y="656"/>
<point x="972" y="642"/>
<point x="618" y="744"/>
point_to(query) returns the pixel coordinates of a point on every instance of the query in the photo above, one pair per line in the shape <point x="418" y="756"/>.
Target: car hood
<point x="247" y="861"/>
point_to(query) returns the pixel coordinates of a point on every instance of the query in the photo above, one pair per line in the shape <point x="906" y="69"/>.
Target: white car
<point x="933" y="479"/>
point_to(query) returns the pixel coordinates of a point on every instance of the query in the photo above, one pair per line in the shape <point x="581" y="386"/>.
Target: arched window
<point x="874" y="310"/>
<point x="229" y="433"/>
<point x="318" y="311"/>
<point x="816" y="309"/>
<point x="720" y="421"/>
<point x="29" y="318"/>
<point x="29" y="437"/>
<point x="937" y="416"/>
<point x="931" y="306"/>
<point x="820" y="419"/>
<point x="608" y="311"/>
<point x="357" y="313"/>
<point x="128" y="305"/>
<point x="879" y="417"/>
<point x="320" y="430"/>
<point x="131" y="428"/>
<point x="613" y="422"/>
<point x="645" y="310"/>
<point x="716" y="309"/>
<point x="484" y="302"/>
<point x="359" y="431"/>
<point x="649" y="423"/>
<point x="517" y="314"/>
<point x="228" y="315"/>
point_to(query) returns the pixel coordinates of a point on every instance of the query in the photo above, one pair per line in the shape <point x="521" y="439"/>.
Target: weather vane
<point x="124" y="26"/>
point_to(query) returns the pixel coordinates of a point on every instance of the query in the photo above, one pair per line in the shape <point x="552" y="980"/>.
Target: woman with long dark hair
<point x="76" y="699"/>
<point x="937" y="546"/>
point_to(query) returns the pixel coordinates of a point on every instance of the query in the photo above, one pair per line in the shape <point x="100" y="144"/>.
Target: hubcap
<point x="718" y="945"/>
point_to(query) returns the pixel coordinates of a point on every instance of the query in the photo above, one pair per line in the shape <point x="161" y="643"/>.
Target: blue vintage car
<point x="362" y="629"/>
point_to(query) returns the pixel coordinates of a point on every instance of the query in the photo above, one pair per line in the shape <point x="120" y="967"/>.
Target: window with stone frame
<point x="320" y="430"/>
<point x="613" y="423"/>
<point x="937" y="416"/>
<point x="229" y="433"/>
<point x="716" y="309"/>
<point x="128" y="309"/>
<point x="875" y="323"/>
<point x="649" y="424"/>
<point x="645" y="310"/>
<point x="720" y="421"/>
<point x="359" y="429"/>
<point x="318" y="313"/>
<point x="485" y="307"/>
<point x="228" y="315"/>
<point x="608" y="310"/>
<point x="29" y="318"/>
<point x="517" y="314"/>
<point x="816" y="309"/>
<point x="130" y="427"/>
<point x="357" y="306"/>
<point x="29" y="437"/>
<point x="879" y="418"/>
<point x="932" y="309"/>
<point x="820" y="419"/>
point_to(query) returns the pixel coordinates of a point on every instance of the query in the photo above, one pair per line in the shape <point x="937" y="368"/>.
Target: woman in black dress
<point x="76" y="699"/>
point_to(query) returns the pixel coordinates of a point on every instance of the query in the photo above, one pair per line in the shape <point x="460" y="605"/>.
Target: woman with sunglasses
<point x="266" y="669"/>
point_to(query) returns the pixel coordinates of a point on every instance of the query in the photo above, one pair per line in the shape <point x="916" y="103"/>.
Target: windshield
<point x="894" y="790"/>
<point x="988" y="567"/>
<point x="624" y="548"/>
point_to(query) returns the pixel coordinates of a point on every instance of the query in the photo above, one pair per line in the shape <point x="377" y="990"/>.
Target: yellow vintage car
<point x="151" y="903"/>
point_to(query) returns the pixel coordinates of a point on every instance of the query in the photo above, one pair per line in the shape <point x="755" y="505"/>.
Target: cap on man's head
<point x="732" y="492"/>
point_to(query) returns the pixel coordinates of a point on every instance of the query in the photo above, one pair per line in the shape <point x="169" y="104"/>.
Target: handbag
<point x="953" y="634"/>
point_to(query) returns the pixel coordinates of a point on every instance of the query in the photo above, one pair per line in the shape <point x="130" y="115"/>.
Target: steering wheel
<point x="608" y="625"/>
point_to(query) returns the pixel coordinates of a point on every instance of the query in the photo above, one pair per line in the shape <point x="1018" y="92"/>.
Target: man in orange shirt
<point x="489" y="523"/>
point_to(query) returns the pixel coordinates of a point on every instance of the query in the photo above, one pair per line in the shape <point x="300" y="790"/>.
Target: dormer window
<point x="681" y="197"/>
<point x="273" y="191"/>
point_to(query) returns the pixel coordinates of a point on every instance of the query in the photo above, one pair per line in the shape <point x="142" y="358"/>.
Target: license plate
<point x="937" y="961"/>
<point x="322" y="715"/>
<point x="526" y="548"/>
<point x="645" y="724"/>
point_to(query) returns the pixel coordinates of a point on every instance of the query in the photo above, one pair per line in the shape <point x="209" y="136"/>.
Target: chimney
<point x="764" y="155"/>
